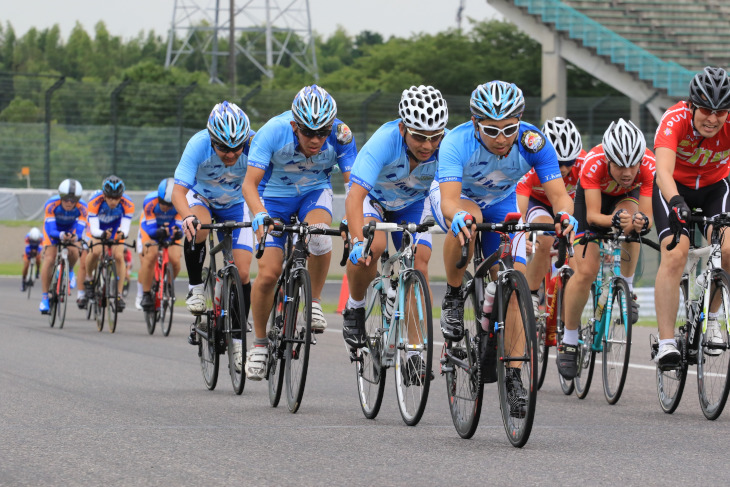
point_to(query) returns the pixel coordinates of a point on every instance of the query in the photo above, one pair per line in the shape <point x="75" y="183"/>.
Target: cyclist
<point x="160" y="221"/>
<point x="208" y="186"/>
<point x="110" y="216"/>
<point x="534" y="204"/>
<point x="614" y="191"/>
<point x="65" y="220"/>
<point x="289" y="171"/>
<point x="389" y="182"/>
<point x="480" y="164"/>
<point x="692" y="144"/>
<point x="33" y="249"/>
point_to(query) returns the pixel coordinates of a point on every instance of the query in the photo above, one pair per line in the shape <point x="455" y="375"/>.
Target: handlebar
<point x="303" y="229"/>
<point x="368" y="231"/>
<point x="612" y="235"/>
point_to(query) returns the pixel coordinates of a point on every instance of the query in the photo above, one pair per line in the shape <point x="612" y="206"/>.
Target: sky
<point x="127" y="18"/>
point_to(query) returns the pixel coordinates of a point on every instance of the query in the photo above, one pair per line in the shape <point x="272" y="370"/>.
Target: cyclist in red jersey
<point x="615" y="190"/>
<point x="692" y="145"/>
<point x="533" y="202"/>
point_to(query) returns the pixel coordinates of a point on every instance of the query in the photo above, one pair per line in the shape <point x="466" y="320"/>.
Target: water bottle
<point x="487" y="305"/>
<point x="217" y="298"/>
<point x="390" y="300"/>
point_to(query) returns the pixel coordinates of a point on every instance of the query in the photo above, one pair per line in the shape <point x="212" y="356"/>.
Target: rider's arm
<point x="180" y="200"/>
<point x="665" y="161"/>
<point x="558" y="196"/>
<point x="251" y="182"/>
<point x="49" y="224"/>
<point x="593" y="209"/>
<point x="126" y="223"/>
<point x="353" y="211"/>
<point x="522" y="204"/>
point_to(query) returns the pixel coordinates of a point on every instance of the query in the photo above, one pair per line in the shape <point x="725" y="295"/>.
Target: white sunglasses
<point x="493" y="132"/>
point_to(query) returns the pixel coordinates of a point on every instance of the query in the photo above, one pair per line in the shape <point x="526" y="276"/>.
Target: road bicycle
<point x="31" y="275"/>
<point x="59" y="291"/>
<point x="290" y="324"/>
<point x="506" y="352"/>
<point x="163" y="290"/>
<point x="104" y="290"/>
<point x="605" y="325"/>
<point x="710" y="286"/>
<point x="221" y="328"/>
<point x="398" y="326"/>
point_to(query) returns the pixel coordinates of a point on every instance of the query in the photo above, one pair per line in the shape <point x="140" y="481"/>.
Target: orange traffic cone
<point x="344" y="295"/>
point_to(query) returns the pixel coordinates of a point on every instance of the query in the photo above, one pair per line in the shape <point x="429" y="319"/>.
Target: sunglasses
<point x="493" y="132"/>
<point x="70" y="199"/>
<point x="567" y="163"/>
<point x="709" y="111"/>
<point x="225" y="149"/>
<point x="419" y="137"/>
<point x="310" y="134"/>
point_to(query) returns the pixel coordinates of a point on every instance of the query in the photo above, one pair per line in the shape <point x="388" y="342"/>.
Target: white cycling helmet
<point x="624" y="143"/>
<point x="35" y="234"/>
<point x="564" y="137"/>
<point x="70" y="187"/>
<point x="423" y="108"/>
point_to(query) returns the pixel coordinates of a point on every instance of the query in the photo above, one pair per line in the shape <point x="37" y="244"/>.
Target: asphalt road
<point x="79" y="407"/>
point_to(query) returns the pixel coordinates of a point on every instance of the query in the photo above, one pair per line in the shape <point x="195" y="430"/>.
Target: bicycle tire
<point x="52" y="301"/>
<point x="150" y="317"/>
<point x="63" y="295"/>
<point x="586" y="354"/>
<point x="207" y="349"/>
<point x="464" y="387"/>
<point x="369" y="370"/>
<point x="670" y="383"/>
<point x="518" y="408"/>
<point x="100" y="297"/>
<point x="276" y="360"/>
<point x="298" y="338"/>
<point x="168" y="301"/>
<point x="541" y="328"/>
<point x="713" y="362"/>
<point x="567" y="386"/>
<point x="111" y="299"/>
<point x="29" y="279"/>
<point x="234" y="334"/>
<point x="617" y="342"/>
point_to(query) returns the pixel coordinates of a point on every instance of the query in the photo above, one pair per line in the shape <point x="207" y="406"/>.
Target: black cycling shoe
<point x="567" y="360"/>
<point x="414" y="371"/>
<point x="353" y="327"/>
<point x="452" y="317"/>
<point x="516" y="393"/>
<point x="120" y="304"/>
<point x="634" y="309"/>
<point x="82" y="302"/>
<point x="148" y="303"/>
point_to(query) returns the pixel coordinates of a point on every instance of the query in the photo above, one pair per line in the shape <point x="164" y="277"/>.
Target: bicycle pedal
<point x="354" y="357"/>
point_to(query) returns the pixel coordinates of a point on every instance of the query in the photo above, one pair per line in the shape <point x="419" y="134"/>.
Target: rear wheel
<point x="567" y="386"/>
<point x="586" y="354"/>
<point x="541" y="326"/>
<point x="52" y="296"/>
<point x="62" y="295"/>
<point x="28" y="278"/>
<point x="167" y="306"/>
<point x="617" y="343"/>
<point x="100" y="298"/>
<point x="150" y="317"/>
<point x="111" y="296"/>
<point x="275" y="372"/>
<point x="298" y="339"/>
<point x="462" y="370"/>
<point x="414" y="348"/>
<point x="370" y="372"/>
<point x="233" y="323"/>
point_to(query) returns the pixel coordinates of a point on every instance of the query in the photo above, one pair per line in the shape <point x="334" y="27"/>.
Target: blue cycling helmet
<point x="164" y="190"/>
<point x="113" y="187"/>
<point x="228" y="125"/>
<point x="314" y="108"/>
<point x="497" y="100"/>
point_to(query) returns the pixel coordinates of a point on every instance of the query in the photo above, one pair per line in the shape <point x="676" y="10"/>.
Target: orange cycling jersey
<point x="700" y="162"/>
<point x="531" y="186"/>
<point x="595" y="175"/>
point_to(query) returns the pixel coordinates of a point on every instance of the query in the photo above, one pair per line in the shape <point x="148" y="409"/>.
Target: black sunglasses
<point x="310" y="134"/>
<point x="567" y="163"/>
<point x="225" y="149"/>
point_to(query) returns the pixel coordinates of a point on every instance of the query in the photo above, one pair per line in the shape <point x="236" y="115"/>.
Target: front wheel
<point x="517" y="358"/>
<point x="275" y="368"/>
<point x="100" y="298"/>
<point x="62" y="295"/>
<point x="414" y="346"/>
<point x="233" y="323"/>
<point x="167" y="305"/>
<point x="111" y="296"/>
<point x="586" y="354"/>
<point x="150" y="317"/>
<point x="617" y="342"/>
<point x="566" y="385"/>
<point x="298" y="339"/>
<point x="207" y="337"/>
<point x="53" y="296"/>
<point x="368" y="365"/>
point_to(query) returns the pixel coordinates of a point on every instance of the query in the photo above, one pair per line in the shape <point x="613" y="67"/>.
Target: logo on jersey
<point x="344" y="134"/>
<point x="532" y="141"/>
<point x="667" y="131"/>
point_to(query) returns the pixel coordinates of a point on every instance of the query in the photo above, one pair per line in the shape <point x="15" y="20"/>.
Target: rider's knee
<point x="320" y="244"/>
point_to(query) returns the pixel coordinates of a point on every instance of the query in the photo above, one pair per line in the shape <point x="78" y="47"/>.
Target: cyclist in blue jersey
<point x="159" y="221"/>
<point x="208" y="183"/>
<point x="289" y="171"/>
<point x="33" y="250"/>
<point x="65" y="220"/>
<point x="389" y="182"/>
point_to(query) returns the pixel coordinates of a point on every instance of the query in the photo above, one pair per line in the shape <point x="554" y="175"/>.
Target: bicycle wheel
<point x="541" y="327"/>
<point x="567" y="386"/>
<point x="713" y="359"/>
<point x="275" y="372"/>
<point x="28" y="278"/>
<point x="368" y="366"/>
<point x="150" y="317"/>
<point x="167" y="306"/>
<point x="52" y="298"/>
<point x="298" y="339"/>
<point x="207" y="336"/>
<point x="234" y="334"/>
<point x="617" y="343"/>
<point x="111" y="296"/>
<point x="586" y="354"/>
<point x="517" y="352"/>
<point x="670" y="383"/>
<point x="62" y="295"/>
<point x="100" y="298"/>
<point x="462" y="370"/>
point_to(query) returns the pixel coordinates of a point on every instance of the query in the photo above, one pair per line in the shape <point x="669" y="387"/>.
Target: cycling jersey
<point x="32" y="247"/>
<point x="700" y="162"/>
<point x="153" y="217"/>
<point x="531" y="186"/>
<point x="288" y="172"/>
<point x="102" y="217"/>
<point x="58" y="220"/>
<point x="487" y="178"/>
<point x="383" y="168"/>
<point x="201" y="170"/>
<point x="595" y="175"/>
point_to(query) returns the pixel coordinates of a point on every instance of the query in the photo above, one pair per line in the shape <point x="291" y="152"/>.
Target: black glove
<point x="160" y="234"/>
<point x="616" y="220"/>
<point x="678" y="214"/>
<point x="176" y="234"/>
<point x="645" y="228"/>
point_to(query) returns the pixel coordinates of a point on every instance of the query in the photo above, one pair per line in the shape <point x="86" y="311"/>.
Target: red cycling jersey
<point x="700" y="162"/>
<point x="531" y="186"/>
<point x="595" y="175"/>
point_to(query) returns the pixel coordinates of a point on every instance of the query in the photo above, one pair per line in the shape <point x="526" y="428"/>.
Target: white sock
<point x="712" y="316"/>
<point x="630" y="282"/>
<point x="80" y="294"/>
<point x="352" y="304"/>
<point x="140" y="291"/>
<point x="667" y="341"/>
<point x="570" y="337"/>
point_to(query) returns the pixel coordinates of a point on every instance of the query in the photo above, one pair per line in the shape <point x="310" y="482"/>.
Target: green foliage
<point x="21" y="110"/>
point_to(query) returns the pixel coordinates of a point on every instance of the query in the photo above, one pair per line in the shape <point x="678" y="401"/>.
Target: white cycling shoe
<point x="256" y="360"/>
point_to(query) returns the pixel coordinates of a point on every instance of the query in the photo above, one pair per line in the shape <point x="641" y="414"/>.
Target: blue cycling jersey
<point x="289" y="172"/>
<point x="383" y="169"/>
<point x="201" y="170"/>
<point x="153" y="217"/>
<point x="58" y="220"/>
<point x="486" y="178"/>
